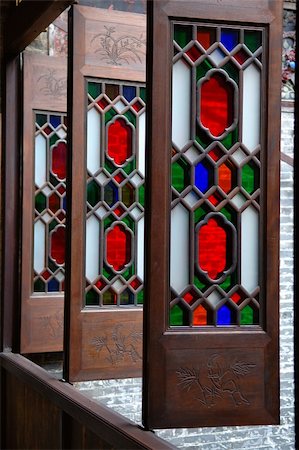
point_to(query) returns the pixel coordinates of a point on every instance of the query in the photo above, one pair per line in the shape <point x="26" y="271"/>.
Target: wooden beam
<point x="27" y="20"/>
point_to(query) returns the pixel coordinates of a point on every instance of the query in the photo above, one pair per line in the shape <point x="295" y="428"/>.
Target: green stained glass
<point x="229" y="282"/>
<point x="143" y="94"/>
<point x="130" y="167"/>
<point x="140" y="297"/>
<point x="109" y="298"/>
<point x="202" y="138"/>
<point x="108" y="274"/>
<point x="52" y="266"/>
<point x="53" y="180"/>
<point x="109" y="166"/>
<point x="247" y="316"/>
<point x="53" y="139"/>
<point x="129" y="272"/>
<point x="180" y="174"/>
<point x="230" y="139"/>
<point x="249" y="181"/>
<point x="232" y="70"/>
<point x="182" y="34"/>
<point x="92" y="298"/>
<point x="130" y="222"/>
<point x="228" y="213"/>
<point x="127" y="298"/>
<point x="128" y="194"/>
<point x="93" y="193"/>
<point x="39" y="286"/>
<point x="141" y="195"/>
<point x="41" y="119"/>
<point x="109" y="115"/>
<point x="202" y="69"/>
<point x="40" y="202"/>
<point x="53" y="224"/>
<point x="201" y="286"/>
<point x="178" y="316"/>
<point x="253" y="39"/>
<point x="94" y="89"/>
<point x="131" y="117"/>
<point x="198" y="213"/>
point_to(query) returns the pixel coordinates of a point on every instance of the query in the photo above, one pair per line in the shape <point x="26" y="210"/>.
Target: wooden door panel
<point x="44" y="95"/>
<point x="106" y="199"/>
<point x="205" y="363"/>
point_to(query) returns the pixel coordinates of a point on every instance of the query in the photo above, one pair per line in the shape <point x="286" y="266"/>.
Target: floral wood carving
<point x="122" y="344"/>
<point x="218" y="381"/>
<point x="54" y="324"/>
<point x="119" y="50"/>
<point x="52" y="85"/>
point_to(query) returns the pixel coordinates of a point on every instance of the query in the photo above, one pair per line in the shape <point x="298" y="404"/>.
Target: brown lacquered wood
<point x="41" y="314"/>
<point x="85" y="358"/>
<point x="10" y="205"/>
<point x="93" y="417"/>
<point x="173" y="354"/>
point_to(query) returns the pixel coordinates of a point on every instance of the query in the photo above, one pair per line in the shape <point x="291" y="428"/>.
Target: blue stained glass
<point x="224" y="316"/>
<point x="111" y="194"/>
<point x="55" y="121"/>
<point x="229" y="38"/>
<point x="53" y="285"/>
<point x="201" y="177"/>
<point x="129" y="92"/>
<point x="64" y="203"/>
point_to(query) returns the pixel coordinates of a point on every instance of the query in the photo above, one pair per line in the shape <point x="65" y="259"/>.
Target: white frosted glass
<point x="93" y="140"/>
<point x="39" y="246"/>
<point x="92" y="248"/>
<point x="214" y="298"/>
<point x="140" y="248"/>
<point x="119" y="106"/>
<point x="40" y="171"/>
<point x="181" y="101"/>
<point x="239" y="156"/>
<point x="141" y="144"/>
<point x="217" y="56"/>
<point x="249" y="248"/>
<point x="251" y="107"/>
<point x="118" y="286"/>
<point x="238" y="200"/>
<point x="179" y="248"/>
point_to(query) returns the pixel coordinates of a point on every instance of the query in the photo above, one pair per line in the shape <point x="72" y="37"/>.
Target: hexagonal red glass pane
<point x="57" y="245"/>
<point x="59" y="154"/>
<point x="212" y="242"/>
<point x="119" y="141"/>
<point x="118" y="245"/>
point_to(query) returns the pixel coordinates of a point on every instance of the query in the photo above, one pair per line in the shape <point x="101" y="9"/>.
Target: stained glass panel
<point x="50" y="155"/>
<point x="216" y="144"/>
<point x="115" y="194"/>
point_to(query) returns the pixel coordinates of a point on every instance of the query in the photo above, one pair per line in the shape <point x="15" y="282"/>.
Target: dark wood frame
<point x="165" y="351"/>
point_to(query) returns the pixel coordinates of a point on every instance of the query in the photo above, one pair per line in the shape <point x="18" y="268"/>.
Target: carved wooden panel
<point x="45" y="88"/>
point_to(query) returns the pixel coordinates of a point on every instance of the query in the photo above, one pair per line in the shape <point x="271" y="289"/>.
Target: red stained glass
<point x="241" y="56"/>
<point x="216" y="104"/>
<point x="58" y="245"/>
<point x="59" y="154"/>
<point x="190" y="297"/>
<point x="215" y="199"/>
<point x="48" y="130"/>
<point x="135" y="283"/>
<point x="216" y="154"/>
<point x="54" y="203"/>
<point x="119" y="211"/>
<point x="204" y="38"/>
<point x="137" y="106"/>
<point x="225" y="178"/>
<point x="235" y="297"/>
<point x="61" y="216"/>
<point x="100" y="284"/>
<point x="118" y="244"/>
<point x="194" y="53"/>
<point x="212" y="249"/>
<point x="200" y="316"/>
<point x="103" y="103"/>
<point x="61" y="190"/>
<point x="119" y="141"/>
<point x="46" y="275"/>
<point x="119" y="178"/>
